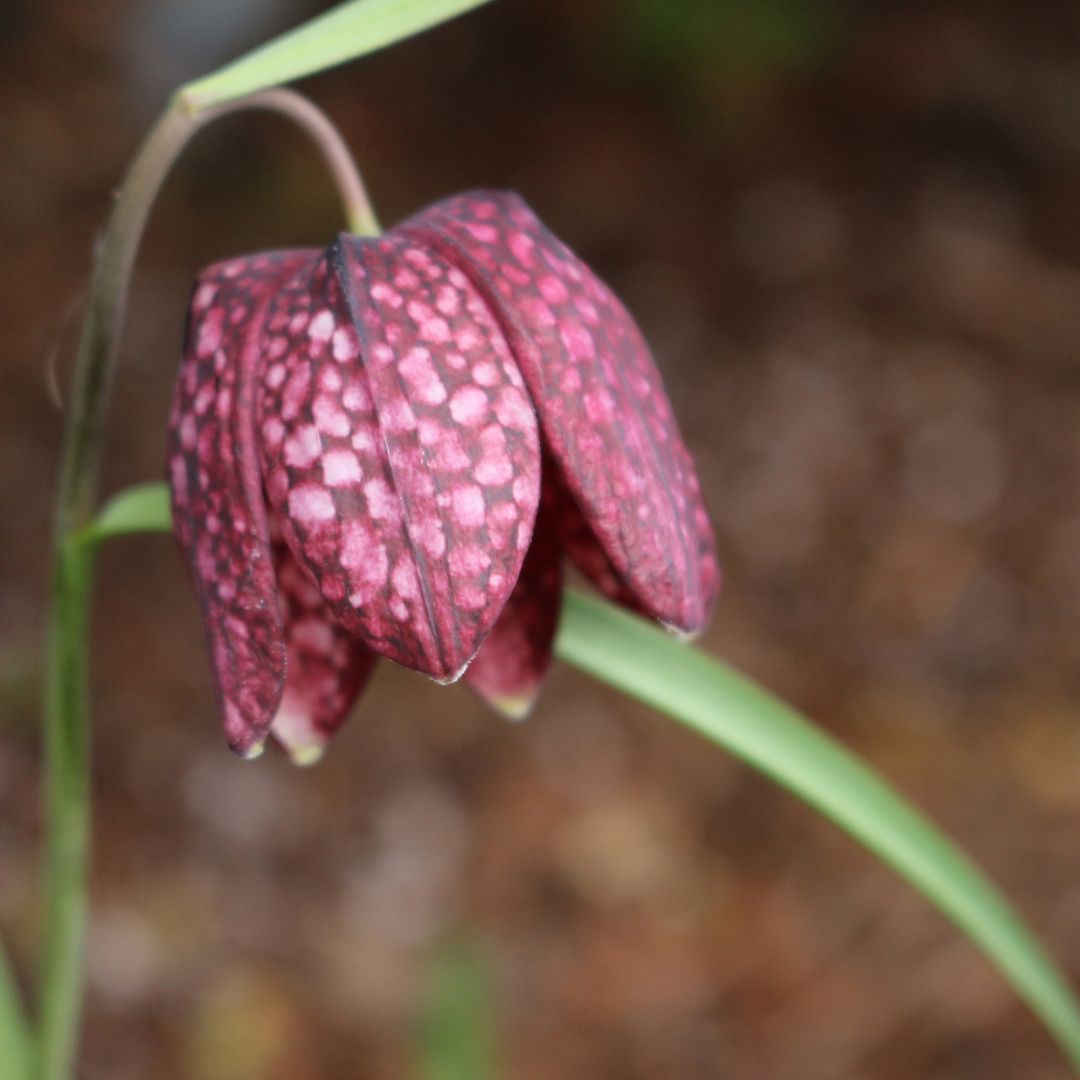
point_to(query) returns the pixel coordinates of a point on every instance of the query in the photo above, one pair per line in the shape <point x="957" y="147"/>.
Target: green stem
<point x="67" y="758"/>
<point x="67" y="744"/>
<point x="15" y="1045"/>
<point x="455" y="1040"/>
<point x="640" y="660"/>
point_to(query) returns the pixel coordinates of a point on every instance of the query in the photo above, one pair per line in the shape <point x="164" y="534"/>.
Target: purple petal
<point x="577" y="539"/>
<point x="708" y="564"/>
<point x="400" y="449"/>
<point x="579" y="542"/>
<point x="217" y="500"/>
<point x="327" y="667"/>
<point x="511" y="665"/>
<point x="600" y="399"/>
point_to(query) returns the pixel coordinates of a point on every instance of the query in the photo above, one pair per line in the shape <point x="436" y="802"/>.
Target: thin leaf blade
<point x="15" y="1041"/>
<point x="456" y="1041"/>
<point x="728" y="709"/>
<point x="139" y="509"/>
<point x="344" y="33"/>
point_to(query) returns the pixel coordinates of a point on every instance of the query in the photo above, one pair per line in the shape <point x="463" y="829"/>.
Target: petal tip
<point x="306" y="755"/>
<point x="513" y="707"/>
<point x="683" y="634"/>
<point x="255" y="750"/>
<point x="295" y="732"/>
<point x="453" y="675"/>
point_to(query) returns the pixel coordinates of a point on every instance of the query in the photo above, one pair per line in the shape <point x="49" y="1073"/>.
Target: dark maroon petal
<point x="217" y="501"/>
<point x="577" y="539"/>
<point x="708" y="564"/>
<point x="600" y="399"/>
<point x="400" y="449"/>
<point x="327" y="667"/>
<point x="579" y="542"/>
<point x="511" y="665"/>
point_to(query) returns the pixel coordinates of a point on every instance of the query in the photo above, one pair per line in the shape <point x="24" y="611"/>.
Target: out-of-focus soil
<point x="853" y="238"/>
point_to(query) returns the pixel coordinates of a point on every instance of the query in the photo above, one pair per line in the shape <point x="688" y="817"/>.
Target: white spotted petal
<point x="355" y="462"/>
<point x="280" y="663"/>
<point x="408" y="472"/>
<point x="605" y="417"/>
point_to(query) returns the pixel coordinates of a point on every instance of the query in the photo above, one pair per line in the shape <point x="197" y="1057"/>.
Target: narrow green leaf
<point x="456" y="1041"/>
<point x="345" y="32"/>
<point x="643" y="661"/>
<point x="143" y="508"/>
<point x="14" y="1030"/>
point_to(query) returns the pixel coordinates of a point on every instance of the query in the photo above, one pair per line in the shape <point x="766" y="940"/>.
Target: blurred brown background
<point x="852" y="233"/>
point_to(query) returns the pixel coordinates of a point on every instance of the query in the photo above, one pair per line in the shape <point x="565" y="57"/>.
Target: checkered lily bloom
<point x="386" y="449"/>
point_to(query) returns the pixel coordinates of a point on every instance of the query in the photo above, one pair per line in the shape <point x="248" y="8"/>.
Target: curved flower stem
<point x="107" y="301"/>
<point x="67" y="758"/>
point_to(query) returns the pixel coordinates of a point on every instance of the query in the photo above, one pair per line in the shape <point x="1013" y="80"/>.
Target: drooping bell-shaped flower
<point x="387" y="447"/>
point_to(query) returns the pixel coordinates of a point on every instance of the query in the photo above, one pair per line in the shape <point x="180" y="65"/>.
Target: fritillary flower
<point x="386" y="449"/>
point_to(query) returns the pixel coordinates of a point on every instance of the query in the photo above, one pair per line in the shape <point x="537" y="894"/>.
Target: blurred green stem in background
<point x="15" y="1045"/>
<point x="455" y="1040"/>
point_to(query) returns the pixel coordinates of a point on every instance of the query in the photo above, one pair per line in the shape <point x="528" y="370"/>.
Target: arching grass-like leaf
<point x="14" y="1031"/>
<point x="344" y="33"/>
<point x="728" y="709"/>
<point x="455" y="1040"/>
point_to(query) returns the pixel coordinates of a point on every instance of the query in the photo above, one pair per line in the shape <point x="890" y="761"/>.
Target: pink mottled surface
<point x="280" y="662"/>
<point x="218" y="508"/>
<point x="399" y="448"/>
<point x="384" y="398"/>
<point x="511" y="665"/>
<point x="600" y="400"/>
<point x="327" y="667"/>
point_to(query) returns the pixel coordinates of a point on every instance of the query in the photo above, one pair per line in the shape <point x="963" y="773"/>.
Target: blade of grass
<point x="641" y="660"/>
<point x="344" y="33"/>
<point x="455" y="1038"/>
<point x="14" y="1029"/>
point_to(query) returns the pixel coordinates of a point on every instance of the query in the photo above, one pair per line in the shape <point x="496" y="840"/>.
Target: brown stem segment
<point x="67" y="719"/>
